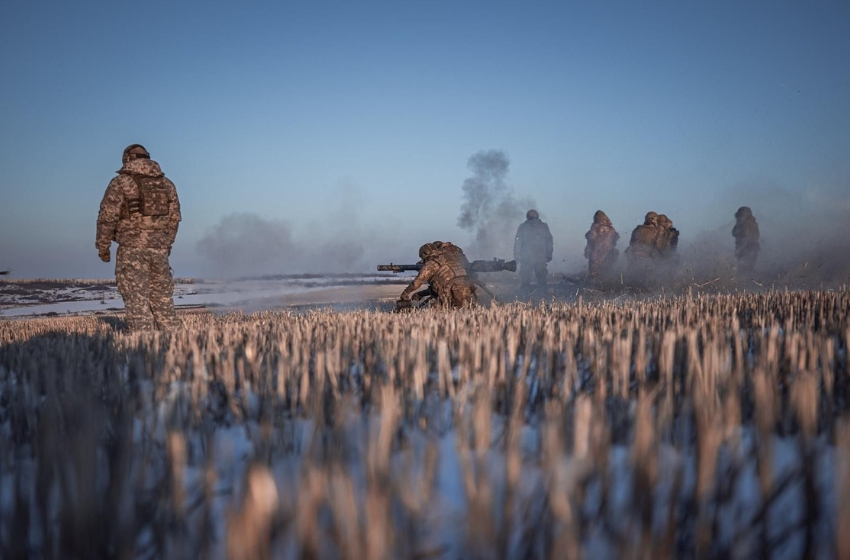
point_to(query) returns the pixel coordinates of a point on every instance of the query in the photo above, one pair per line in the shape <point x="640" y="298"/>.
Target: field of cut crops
<point x="679" y="427"/>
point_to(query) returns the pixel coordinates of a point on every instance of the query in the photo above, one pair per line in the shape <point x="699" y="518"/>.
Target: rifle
<point x="496" y="265"/>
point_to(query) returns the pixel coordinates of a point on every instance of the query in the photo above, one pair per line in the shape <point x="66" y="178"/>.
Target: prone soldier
<point x="141" y="212"/>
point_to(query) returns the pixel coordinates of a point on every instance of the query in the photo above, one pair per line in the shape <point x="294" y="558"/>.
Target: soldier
<point x="746" y="234"/>
<point x="667" y="237"/>
<point x="450" y="248"/>
<point x="141" y="212"/>
<point x="642" y="244"/>
<point x="601" y="239"/>
<point x="533" y="249"/>
<point x="444" y="269"/>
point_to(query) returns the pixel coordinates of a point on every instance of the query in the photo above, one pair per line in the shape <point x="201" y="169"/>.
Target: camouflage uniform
<point x="601" y="239"/>
<point x="746" y="233"/>
<point x="667" y="237"/>
<point x="642" y="244"/>
<point x="533" y="249"/>
<point x="445" y="270"/>
<point x="141" y="212"/>
<point x="642" y="252"/>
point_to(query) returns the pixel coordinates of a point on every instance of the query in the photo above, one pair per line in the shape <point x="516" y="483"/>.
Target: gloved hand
<point x="104" y="255"/>
<point x="403" y="304"/>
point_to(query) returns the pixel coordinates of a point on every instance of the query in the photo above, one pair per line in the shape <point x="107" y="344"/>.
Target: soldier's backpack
<point x="152" y="199"/>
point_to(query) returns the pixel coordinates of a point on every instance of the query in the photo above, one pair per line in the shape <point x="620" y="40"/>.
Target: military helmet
<point x="743" y="212"/>
<point x="650" y="218"/>
<point x="134" y="151"/>
<point x="427" y="250"/>
<point x="600" y="217"/>
<point x="532" y="215"/>
<point x="664" y="220"/>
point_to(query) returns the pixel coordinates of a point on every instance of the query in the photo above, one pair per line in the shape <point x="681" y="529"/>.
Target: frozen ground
<point x="88" y="297"/>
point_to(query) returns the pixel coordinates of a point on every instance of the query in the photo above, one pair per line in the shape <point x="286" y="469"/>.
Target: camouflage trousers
<point x="747" y="260"/>
<point x="538" y="269"/>
<point x="459" y="293"/>
<point x="145" y="282"/>
<point x="596" y="267"/>
<point x="642" y="271"/>
<point x="602" y="265"/>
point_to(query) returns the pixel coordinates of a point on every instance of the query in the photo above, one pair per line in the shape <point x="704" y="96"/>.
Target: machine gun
<point x="496" y="265"/>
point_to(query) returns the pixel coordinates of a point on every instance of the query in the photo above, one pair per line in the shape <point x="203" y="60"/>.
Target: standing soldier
<point x="444" y="269"/>
<point x="642" y="244"/>
<point x="141" y="212"/>
<point x="533" y="249"/>
<point x="667" y="237"/>
<point x="601" y="239"/>
<point x="746" y="234"/>
<point x="643" y="251"/>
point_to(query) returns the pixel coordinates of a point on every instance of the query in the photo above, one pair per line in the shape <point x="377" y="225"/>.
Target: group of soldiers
<point x="652" y="244"/>
<point x="652" y="241"/>
<point x="655" y="241"/>
<point x="141" y="212"/>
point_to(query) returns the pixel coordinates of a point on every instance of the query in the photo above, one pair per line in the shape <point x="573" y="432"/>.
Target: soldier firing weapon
<point x="472" y="270"/>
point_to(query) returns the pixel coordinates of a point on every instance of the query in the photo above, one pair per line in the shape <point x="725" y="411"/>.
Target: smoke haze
<point x="490" y="210"/>
<point x="805" y="235"/>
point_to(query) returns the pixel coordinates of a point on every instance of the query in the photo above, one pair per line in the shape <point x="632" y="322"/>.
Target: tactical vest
<point x="450" y="268"/>
<point x="151" y="198"/>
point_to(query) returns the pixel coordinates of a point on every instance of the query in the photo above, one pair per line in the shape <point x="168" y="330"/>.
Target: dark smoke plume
<point x="490" y="210"/>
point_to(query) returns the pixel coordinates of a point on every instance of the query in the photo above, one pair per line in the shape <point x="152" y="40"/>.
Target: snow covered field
<point x="51" y="297"/>
<point x="711" y="427"/>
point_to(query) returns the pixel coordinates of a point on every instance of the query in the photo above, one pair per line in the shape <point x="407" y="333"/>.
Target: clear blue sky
<point x="320" y="114"/>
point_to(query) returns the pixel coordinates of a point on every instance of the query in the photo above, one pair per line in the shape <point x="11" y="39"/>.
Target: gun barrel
<point x="396" y="268"/>
<point x="496" y="265"/>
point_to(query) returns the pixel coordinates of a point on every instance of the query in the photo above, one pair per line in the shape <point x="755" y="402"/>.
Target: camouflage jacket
<point x="642" y="243"/>
<point x="746" y="233"/>
<point x="140" y="208"/>
<point x="533" y="243"/>
<point x="439" y="271"/>
<point x="600" y="240"/>
<point x="666" y="239"/>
